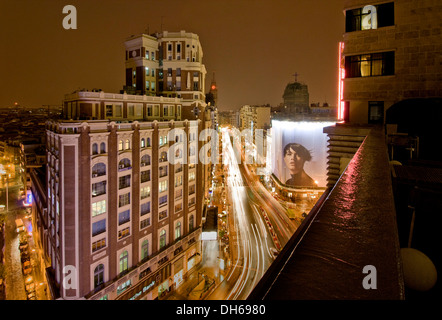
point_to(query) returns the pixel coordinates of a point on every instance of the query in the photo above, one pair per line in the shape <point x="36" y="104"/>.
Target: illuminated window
<point x="144" y="249"/>
<point x="144" y="192"/>
<point x="145" y="160"/>
<point x="162" y="238"/>
<point x="369" y="17"/>
<point x="177" y="230"/>
<point x="124" y="261"/>
<point x="369" y="65"/>
<point x="98" y="208"/>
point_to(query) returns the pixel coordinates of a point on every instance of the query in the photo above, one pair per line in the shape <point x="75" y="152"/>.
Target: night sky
<point x="253" y="46"/>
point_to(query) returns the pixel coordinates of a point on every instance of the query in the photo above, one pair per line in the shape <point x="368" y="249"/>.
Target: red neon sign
<point x="341" y="77"/>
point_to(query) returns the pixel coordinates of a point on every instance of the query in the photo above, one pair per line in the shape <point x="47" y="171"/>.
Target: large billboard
<point x="299" y="153"/>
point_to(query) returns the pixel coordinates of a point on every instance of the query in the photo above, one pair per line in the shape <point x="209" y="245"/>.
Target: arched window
<point x="177" y="230"/>
<point x="98" y="275"/>
<point x="124" y="261"/>
<point x="144" y="249"/>
<point x="163" y="156"/>
<point x="191" y="222"/>
<point x="143" y="143"/>
<point x="162" y="239"/>
<point x="145" y="160"/>
<point x="127" y="144"/>
<point x="124" y="164"/>
<point x="148" y="142"/>
<point x="120" y="145"/>
<point x="94" y="148"/>
<point x="98" y="170"/>
<point x="102" y="147"/>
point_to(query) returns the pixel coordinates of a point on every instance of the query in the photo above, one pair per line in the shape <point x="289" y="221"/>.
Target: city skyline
<point x="253" y="47"/>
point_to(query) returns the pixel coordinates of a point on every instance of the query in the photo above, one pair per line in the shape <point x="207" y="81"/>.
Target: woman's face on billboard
<point x="293" y="161"/>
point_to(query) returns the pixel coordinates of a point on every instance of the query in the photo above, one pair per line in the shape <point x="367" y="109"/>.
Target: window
<point x="191" y="176"/>
<point x="163" y="156"/>
<point x="191" y="222"/>
<point x="163" y="171"/>
<point x="149" y="111"/>
<point x="178" y="194"/>
<point x="178" y="180"/>
<point x="109" y="110"/>
<point x="124" y="199"/>
<point x="98" y="170"/>
<point x="97" y="245"/>
<point x="145" y="176"/>
<point x="145" y="160"/>
<point x="130" y="110"/>
<point x="98" y="275"/>
<point x="192" y="202"/>
<point x="162" y="215"/>
<point x="178" y="207"/>
<point x="123" y="233"/>
<point x="98" y="188"/>
<point x="98" y="208"/>
<point x="124" y="164"/>
<point x="123" y="217"/>
<point x="162" y="201"/>
<point x="144" y="223"/>
<point x="369" y="17"/>
<point x="145" y="208"/>
<point x="118" y="111"/>
<point x="98" y="227"/>
<point x="191" y="189"/>
<point x="376" y="112"/>
<point x="147" y="85"/>
<point x="144" y="192"/>
<point x="165" y="111"/>
<point x="143" y="143"/>
<point x="120" y="145"/>
<point x="124" y="182"/>
<point x="147" y="55"/>
<point x="102" y="147"/>
<point x="124" y="261"/>
<point x="121" y="288"/>
<point x="368" y="65"/>
<point x="94" y="148"/>
<point x="127" y="144"/>
<point x="177" y="230"/>
<point x="162" y="186"/>
<point x="162" y="239"/>
<point x="144" y="249"/>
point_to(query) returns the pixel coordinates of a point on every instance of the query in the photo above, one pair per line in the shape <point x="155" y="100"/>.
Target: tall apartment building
<point x="254" y="117"/>
<point x="124" y="189"/>
<point x="391" y="52"/>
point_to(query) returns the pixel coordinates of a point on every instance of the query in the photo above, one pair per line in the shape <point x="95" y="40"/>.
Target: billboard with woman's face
<point x="299" y="153"/>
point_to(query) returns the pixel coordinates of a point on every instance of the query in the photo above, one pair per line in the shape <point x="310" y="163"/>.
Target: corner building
<point x="124" y="219"/>
<point x="391" y="52"/>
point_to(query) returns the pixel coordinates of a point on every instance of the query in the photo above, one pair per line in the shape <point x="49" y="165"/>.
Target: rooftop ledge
<point x="353" y="225"/>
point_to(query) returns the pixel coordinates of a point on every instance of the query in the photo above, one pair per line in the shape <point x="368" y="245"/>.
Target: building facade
<point x="390" y="52"/>
<point x="124" y="176"/>
<point x="167" y="64"/>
